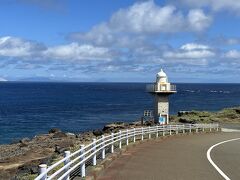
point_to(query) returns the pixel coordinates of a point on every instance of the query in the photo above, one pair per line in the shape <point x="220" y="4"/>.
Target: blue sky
<point x="120" y="41"/>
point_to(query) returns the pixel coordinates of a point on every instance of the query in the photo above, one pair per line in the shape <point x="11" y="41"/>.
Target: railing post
<point x="95" y="155"/>
<point x="190" y="128"/>
<point x="163" y="130"/>
<point x="197" y="129"/>
<point x="170" y="130"/>
<point x="176" y="129"/>
<point x="210" y="127"/>
<point x="157" y="131"/>
<point x="217" y="127"/>
<point x="149" y="134"/>
<point x="43" y="170"/>
<point x="134" y="135"/>
<point x="127" y="138"/>
<point x="142" y="134"/>
<point x="203" y="128"/>
<point x="183" y="128"/>
<point x="82" y="166"/>
<point x="66" y="155"/>
<point x="120" y="139"/>
<point x="112" y="145"/>
<point x="103" y="144"/>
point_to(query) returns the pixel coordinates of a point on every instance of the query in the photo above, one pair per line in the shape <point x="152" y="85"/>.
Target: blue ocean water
<point x="27" y="109"/>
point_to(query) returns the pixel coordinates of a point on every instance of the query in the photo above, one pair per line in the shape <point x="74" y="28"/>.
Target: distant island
<point x="3" y="80"/>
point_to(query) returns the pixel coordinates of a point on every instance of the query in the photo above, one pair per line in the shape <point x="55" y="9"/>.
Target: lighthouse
<point x="161" y="90"/>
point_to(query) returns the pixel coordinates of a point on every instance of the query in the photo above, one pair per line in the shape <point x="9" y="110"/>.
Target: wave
<point x="214" y="91"/>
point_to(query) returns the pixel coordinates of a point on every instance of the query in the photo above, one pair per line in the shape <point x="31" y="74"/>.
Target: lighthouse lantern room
<point x="161" y="90"/>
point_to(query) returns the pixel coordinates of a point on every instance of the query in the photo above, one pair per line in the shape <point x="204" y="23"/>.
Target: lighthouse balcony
<point x="161" y="88"/>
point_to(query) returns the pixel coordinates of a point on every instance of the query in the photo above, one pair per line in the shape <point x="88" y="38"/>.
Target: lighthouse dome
<point x="161" y="77"/>
<point x="161" y="74"/>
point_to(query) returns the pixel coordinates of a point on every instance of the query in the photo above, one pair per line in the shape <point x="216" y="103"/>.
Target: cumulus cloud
<point x="17" y="47"/>
<point x="198" y="21"/>
<point x="14" y="47"/>
<point x="191" y="51"/>
<point x="74" y="51"/>
<point x="194" y="46"/>
<point x="227" y="40"/>
<point x="219" y="41"/>
<point x="145" y="18"/>
<point x="234" y="54"/>
<point x="216" y="5"/>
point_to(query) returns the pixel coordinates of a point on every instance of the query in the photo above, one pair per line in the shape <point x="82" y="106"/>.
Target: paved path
<point x="177" y="158"/>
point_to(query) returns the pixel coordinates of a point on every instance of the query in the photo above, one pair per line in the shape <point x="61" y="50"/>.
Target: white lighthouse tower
<point x="161" y="89"/>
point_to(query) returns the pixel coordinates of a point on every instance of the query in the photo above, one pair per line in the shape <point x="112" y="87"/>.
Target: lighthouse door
<point x="162" y="120"/>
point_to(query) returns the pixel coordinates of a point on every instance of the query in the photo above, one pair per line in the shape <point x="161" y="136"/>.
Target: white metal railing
<point x="64" y="168"/>
<point x="162" y="88"/>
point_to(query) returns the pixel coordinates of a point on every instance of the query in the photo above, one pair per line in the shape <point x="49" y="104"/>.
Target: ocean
<point x="27" y="109"/>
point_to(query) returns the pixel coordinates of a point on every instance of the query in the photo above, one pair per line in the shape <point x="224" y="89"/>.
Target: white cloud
<point x="74" y="51"/>
<point x="189" y="54"/>
<point x="216" y="5"/>
<point x="228" y="41"/>
<point x="234" y="54"/>
<point x="14" y="47"/>
<point x="194" y="46"/>
<point x="17" y="47"/>
<point x="198" y="21"/>
<point x="190" y="51"/>
<point x="147" y="17"/>
<point x="143" y="19"/>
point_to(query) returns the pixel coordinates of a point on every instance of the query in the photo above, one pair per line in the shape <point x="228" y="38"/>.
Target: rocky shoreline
<point x="20" y="160"/>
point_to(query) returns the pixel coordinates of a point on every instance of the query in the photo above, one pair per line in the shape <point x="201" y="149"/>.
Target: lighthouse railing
<point x="162" y="88"/>
<point x="173" y="87"/>
<point x="76" y="163"/>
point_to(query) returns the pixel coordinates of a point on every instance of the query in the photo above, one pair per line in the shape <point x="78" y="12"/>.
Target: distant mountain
<point x="102" y="80"/>
<point x="3" y="80"/>
<point x="36" y="79"/>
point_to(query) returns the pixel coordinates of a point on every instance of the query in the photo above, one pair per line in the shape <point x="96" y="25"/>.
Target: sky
<point x="120" y="41"/>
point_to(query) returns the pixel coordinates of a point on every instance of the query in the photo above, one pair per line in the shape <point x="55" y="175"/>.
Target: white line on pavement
<point x="211" y="161"/>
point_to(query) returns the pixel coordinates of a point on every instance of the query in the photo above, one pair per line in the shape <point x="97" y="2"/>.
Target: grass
<point x="227" y="115"/>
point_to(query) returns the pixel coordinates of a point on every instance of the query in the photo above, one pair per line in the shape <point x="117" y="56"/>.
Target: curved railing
<point x="76" y="162"/>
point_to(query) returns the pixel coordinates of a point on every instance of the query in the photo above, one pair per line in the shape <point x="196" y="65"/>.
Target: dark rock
<point x="59" y="149"/>
<point x="78" y="135"/>
<point x="237" y="110"/>
<point x="15" y="141"/>
<point x="136" y="123"/>
<point x="28" y="169"/>
<point x="98" y="132"/>
<point x="119" y="122"/>
<point x="46" y="160"/>
<point x="149" y="123"/>
<point x="63" y="146"/>
<point x="113" y="127"/>
<point x="181" y="113"/>
<point x="54" y="130"/>
<point x="24" y="140"/>
<point x="59" y="135"/>
<point x="184" y="120"/>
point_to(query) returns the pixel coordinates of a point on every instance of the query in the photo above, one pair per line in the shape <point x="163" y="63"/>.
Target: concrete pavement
<point x="177" y="158"/>
<point x="227" y="157"/>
